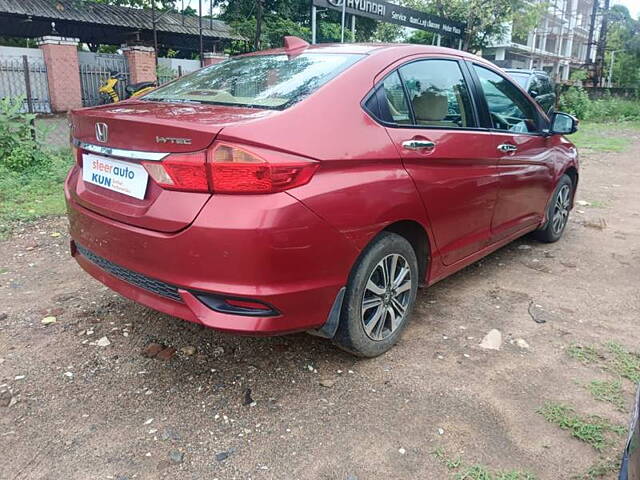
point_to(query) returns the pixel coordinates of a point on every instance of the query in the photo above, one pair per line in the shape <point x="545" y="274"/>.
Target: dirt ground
<point x="71" y="409"/>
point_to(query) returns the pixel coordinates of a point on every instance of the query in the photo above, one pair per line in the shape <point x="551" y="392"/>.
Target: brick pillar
<point x="209" y="58"/>
<point x="142" y="63"/>
<point x="63" y="72"/>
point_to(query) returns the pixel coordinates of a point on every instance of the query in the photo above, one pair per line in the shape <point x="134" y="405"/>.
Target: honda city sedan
<point x="314" y="188"/>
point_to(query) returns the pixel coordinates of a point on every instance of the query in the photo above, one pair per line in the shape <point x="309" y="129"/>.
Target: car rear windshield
<point x="263" y="81"/>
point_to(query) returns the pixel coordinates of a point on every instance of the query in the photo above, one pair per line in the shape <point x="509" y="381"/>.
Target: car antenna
<point x="294" y="45"/>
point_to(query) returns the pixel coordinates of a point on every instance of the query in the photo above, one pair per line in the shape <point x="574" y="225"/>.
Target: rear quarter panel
<point x="361" y="185"/>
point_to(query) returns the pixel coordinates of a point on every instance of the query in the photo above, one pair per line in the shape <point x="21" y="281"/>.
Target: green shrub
<point x="18" y="147"/>
<point x="576" y="102"/>
<point x="611" y="108"/>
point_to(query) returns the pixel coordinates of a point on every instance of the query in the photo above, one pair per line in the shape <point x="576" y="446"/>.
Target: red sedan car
<point x="314" y="188"/>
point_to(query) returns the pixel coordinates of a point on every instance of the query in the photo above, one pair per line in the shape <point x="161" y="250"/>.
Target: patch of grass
<point x="623" y="362"/>
<point x="34" y="192"/>
<point x="591" y="430"/>
<point x="607" y="391"/>
<point x="584" y="353"/>
<point x="474" y="472"/>
<point x="597" y="204"/>
<point x="600" y="137"/>
<point x="478" y="472"/>
<point x="600" y="469"/>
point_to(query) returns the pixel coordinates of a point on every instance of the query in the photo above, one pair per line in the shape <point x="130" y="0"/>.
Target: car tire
<point x="371" y="319"/>
<point x="557" y="212"/>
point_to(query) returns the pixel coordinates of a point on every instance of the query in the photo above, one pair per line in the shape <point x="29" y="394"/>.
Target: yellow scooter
<point x="109" y="93"/>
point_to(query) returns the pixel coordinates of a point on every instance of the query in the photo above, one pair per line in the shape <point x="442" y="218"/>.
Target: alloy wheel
<point x="561" y="209"/>
<point x="386" y="297"/>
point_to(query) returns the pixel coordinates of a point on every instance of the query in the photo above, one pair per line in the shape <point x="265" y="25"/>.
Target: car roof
<point x="525" y="70"/>
<point x="372" y="49"/>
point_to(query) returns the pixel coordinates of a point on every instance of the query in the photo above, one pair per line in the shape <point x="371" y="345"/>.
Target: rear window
<point x="263" y="81"/>
<point x="520" y="78"/>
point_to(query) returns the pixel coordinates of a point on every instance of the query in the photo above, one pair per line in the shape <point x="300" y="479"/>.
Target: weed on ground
<point x="462" y="471"/>
<point x="591" y="429"/>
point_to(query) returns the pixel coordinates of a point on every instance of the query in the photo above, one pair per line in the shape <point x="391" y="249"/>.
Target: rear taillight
<point x="235" y="170"/>
<point x="231" y="169"/>
<point x="184" y="172"/>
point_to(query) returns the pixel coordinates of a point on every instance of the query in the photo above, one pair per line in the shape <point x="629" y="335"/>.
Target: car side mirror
<point x="533" y="93"/>
<point x="563" y="124"/>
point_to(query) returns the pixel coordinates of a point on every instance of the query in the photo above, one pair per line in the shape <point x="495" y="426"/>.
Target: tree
<point x="624" y="40"/>
<point x="485" y="20"/>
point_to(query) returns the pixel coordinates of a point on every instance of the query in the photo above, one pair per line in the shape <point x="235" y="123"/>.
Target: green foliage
<point x="274" y="28"/>
<point x="623" y="39"/>
<point x="606" y="109"/>
<point x="528" y="18"/>
<point x="614" y="109"/>
<point x="623" y="362"/>
<point x="605" y="137"/>
<point x="35" y="191"/>
<point x="584" y="353"/>
<point x="575" y="101"/>
<point x="18" y="148"/>
<point x="607" y="391"/>
<point x="602" y="468"/>
<point x="462" y="471"/>
<point x="591" y="429"/>
<point x="615" y="358"/>
<point x="486" y="20"/>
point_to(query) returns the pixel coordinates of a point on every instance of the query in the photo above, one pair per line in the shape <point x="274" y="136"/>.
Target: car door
<point x="429" y="114"/>
<point x="524" y="158"/>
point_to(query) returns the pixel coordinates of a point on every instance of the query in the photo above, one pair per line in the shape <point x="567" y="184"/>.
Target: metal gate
<point x="26" y="77"/>
<point x="95" y="68"/>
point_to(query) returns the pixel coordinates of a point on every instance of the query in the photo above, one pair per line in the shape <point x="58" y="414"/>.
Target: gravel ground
<point x="295" y="407"/>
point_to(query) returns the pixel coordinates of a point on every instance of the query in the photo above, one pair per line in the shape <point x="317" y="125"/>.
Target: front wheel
<point x="558" y="212"/>
<point x="380" y="295"/>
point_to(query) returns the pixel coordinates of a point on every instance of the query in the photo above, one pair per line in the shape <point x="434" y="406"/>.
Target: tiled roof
<point x="115" y="16"/>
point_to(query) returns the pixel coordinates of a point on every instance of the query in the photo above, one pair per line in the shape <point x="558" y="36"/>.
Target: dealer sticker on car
<point x="123" y="177"/>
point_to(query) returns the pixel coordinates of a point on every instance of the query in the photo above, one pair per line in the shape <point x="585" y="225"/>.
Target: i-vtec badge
<point x="175" y="140"/>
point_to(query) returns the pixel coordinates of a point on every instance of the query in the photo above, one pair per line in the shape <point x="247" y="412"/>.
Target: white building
<point x="557" y="45"/>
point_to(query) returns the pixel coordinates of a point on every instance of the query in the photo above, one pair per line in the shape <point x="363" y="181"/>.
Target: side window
<point x="509" y="108"/>
<point x="438" y="93"/>
<point x="545" y="85"/>
<point x="394" y="107"/>
<point x="536" y="85"/>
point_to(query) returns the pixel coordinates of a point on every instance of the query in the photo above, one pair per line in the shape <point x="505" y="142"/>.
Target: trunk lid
<point x="146" y="128"/>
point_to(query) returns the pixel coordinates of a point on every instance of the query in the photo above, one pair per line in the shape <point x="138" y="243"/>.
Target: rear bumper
<point x="269" y="249"/>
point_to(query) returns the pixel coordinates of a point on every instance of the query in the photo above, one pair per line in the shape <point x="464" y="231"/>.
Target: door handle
<point x="418" y="145"/>
<point x="507" y="147"/>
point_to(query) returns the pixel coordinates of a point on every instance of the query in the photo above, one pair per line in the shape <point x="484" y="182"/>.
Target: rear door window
<point x="395" y="100"/>
<point x="438" y="94"/>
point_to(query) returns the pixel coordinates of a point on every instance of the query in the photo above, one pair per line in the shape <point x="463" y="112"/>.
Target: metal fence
<point x="25" y="77"/>
<point x="95" y="68"/>
<point x="92" y="77"/>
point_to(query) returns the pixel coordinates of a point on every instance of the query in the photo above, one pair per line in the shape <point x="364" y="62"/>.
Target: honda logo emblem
<point x="102" y="132"/>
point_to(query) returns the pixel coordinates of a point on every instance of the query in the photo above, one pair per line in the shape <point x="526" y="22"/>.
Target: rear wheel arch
<point x="418" y="237"/>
